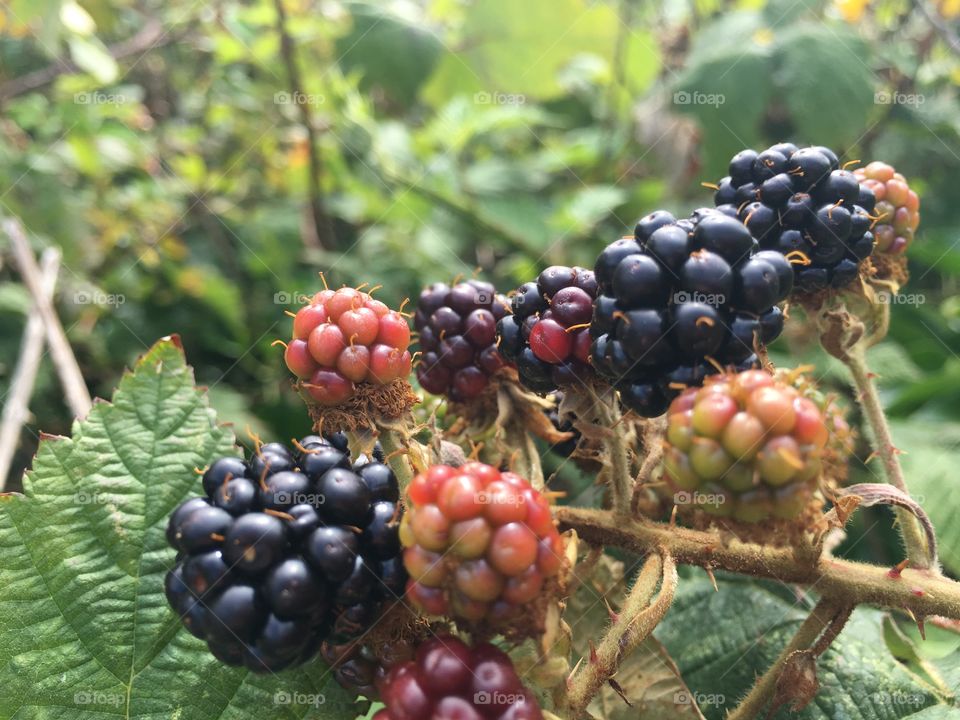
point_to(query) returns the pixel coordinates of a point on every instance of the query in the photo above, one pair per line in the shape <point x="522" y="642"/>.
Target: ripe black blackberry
<point x="679" y="301"/>
<point x="802" y="204"/>
<point x="457" y="327"/>
<point x="286" y="550"/>
<point x="547" y="334"/>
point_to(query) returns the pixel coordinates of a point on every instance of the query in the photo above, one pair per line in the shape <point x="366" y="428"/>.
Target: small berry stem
<point x="631" y="626"/>
<point x="618" y="467"/>
<point x="821" y="620"/>
<point x="913" y="539"/>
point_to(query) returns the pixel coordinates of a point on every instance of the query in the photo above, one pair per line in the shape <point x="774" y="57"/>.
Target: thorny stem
<point x="855" y="359"/>
<point x="922" y="592"/>
<point x="821" y="619"/>
<point x="618" y="468"/>
<point x="632" y="625"/>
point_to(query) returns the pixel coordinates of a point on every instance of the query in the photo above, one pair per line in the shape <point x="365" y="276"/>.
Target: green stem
<point x="765" y="687"/>
<point x="610" y="419"/>
<point x="922" y="592"/>
<point x="395" y="448"/>
<point x="632" y="625"/>
<point x="855" y="359"/>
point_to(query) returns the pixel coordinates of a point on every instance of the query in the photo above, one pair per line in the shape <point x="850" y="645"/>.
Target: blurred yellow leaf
<point x="851" y="10"/>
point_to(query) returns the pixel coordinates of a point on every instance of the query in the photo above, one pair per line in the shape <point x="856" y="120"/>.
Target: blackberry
<point x="345" y="337"/>
<point x="896" y="207"/>
<point x="286" y="550"/>
<point x="358" y="669"/>
<point x="449" y="679"/>
<point x="802" y="204"/>
<point x="457" y="327"/>
<point x="547" y="336"/>
<point x="681" y="300"/>
<point x="480" y="544"/>
<point x="748" y="446"/>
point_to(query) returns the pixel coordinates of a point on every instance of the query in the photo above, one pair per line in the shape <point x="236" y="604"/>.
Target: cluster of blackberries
<point x="547" y="334"/>
<point x="679" y="301"/>
<point x="801" y="203"/>
<point x="449" y="679"/>
<point x="457" y="327"/>
<point x="286" y="550"/>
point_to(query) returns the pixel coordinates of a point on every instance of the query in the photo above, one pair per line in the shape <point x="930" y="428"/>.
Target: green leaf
<point x="390" y="54"/>
<point x="819" y="67"/>
<point x="92" y="57"/>
<point x="520" y="48"/>
<point x="929" y="463"/>
<point x="85" y="631"/>
<point x="719" y="661"/>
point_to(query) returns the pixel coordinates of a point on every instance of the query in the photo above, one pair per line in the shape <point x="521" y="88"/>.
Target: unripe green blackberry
<point x="897" y="207"/>
<point x="750" y="446"/>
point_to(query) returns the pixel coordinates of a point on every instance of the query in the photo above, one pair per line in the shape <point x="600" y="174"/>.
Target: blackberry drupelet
<point x="897" y="207"/>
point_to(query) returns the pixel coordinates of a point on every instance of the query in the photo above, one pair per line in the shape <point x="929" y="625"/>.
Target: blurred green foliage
<point x="451" y="137"/>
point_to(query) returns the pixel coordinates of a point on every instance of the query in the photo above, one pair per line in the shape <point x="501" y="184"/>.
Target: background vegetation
<point x="199" y="163"/>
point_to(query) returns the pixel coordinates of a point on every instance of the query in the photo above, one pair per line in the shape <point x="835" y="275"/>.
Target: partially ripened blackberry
<point x="284" y="551"/>
<point x="358" y="669"/>
<point x="450" y="680"/>
<point x="480" y="544"/>
<point x="801" y="203"/>
<point x="680" y="300"/>
<point x="897" y="208"/>
<point x="547" y="334"/>
<point x="457" y="327"/>
<point x="749" y="446"/>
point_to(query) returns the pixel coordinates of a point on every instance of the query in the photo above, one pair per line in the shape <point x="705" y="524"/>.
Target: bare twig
<point x="16" y="408"/>
<point x="74" y="386"/>
<point x="322" y="234"/>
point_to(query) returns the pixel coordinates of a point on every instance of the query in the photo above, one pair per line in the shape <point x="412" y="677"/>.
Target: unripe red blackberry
<point x="801" y="203"/>
<point x="681" y="300"/>
<point x="457" y="327"/>
<point x="344" y="338"/>
<point x="897" y="207"/>
<point x="750" y="446"/>
<point x="449" y="679"/>
<point x="285" y="550"/>
<point x="547" y="335"/>
<point x="479" y="544"/>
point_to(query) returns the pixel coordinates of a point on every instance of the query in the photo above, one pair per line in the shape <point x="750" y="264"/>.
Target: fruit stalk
<point x="920" y="591"/>
<point x="631" y="626"/>
<point x="620" y="476"/>
<point x="819" y="621"/>
<point x="855" y="359"/>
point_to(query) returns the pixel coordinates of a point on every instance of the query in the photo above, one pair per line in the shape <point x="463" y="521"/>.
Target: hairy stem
<point x="635" y="621"/>
<point x="913" y="539"/>
<point x="922" y="592"/>
<point x="620" y="475"/>
<point x="820" y="619"/>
